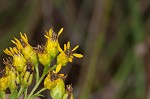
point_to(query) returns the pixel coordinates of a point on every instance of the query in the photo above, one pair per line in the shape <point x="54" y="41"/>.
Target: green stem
<point x="39" y="81"/>
<point x="20" y="91"/>
<point x="53" y="67"/>
<point x="37" y="72"/>
<point x="40" y="91"/>
<point x="2" y="95"/>
<point x="37" y="84"/>
<point x="25" y="93"/>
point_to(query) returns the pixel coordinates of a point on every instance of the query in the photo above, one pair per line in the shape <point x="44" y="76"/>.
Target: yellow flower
<point x="52" y="42"/>
<point x="43" y="56"/>
<point x="12" y="74"/>
<point x="18" y="60"/>
<point x="26" y="49"/>
<point x="27" y="74"/>
<point x="66" y="56"/>
<point x="4" y="80"/>
<point x="49" y="81"/>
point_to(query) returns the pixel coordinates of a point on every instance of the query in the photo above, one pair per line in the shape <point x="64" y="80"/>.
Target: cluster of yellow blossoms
<point x="23" y="61"/>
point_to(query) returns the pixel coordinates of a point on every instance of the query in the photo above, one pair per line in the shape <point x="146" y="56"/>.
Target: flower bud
<point x="27" y="74"/>
<point x="58" y="91"/>
<point x="12" y="74"/>
<point x="4" y="80"/>
<point x="49" y="81"/>
<point x="14" y="79"/>
<point x="26" y="49"/>
<point x="43" y="56"/>
<point x="52" y="42"/>
<point x="18" y="60"/>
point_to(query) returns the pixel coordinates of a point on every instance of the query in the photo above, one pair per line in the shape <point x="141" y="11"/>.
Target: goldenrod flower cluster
<point x="23" y="61"/>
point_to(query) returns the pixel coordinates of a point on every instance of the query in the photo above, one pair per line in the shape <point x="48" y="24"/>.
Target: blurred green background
<point x="113" y="36"/>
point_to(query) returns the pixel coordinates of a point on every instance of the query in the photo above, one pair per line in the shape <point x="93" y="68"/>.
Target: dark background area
<point x="113" y="36"/>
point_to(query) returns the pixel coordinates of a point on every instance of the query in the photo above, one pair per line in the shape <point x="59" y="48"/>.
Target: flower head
<point x="27" y="74"/>
<point x="43" y="56"/>
<point x="51" y="79"/>
<point x="58" y="91"/>
<point x="52" y="42"/>
<point x="22" y="43"/>
<point x="4" y="80"/>
<point x="12" y="74"/>
<point x="26" y="49"/>
<point x="18" y="59"/>
<point x="66" y="55"/>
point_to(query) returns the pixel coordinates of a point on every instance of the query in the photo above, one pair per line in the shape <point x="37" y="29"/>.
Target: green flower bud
<point x="58" y="91"/>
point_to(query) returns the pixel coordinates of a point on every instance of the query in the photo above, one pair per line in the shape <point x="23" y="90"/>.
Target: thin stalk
<point x="2" y="95"/>
<point x="38" y="83"/>
<point x="20" y="91"/>
<point x="37" y="72"/>
<point x="40" y="91"/>
<point x="45" y="71"/>
<point x="25" y="93"/>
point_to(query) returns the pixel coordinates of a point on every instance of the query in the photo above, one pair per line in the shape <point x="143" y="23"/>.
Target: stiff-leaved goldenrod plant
<point x="22" y="65"/>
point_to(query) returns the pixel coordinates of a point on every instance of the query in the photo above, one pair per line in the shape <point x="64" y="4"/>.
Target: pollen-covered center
<point x="8" y="62"/>
<point x="54" y="36"/>
<point x="2" y="73"/>
<point x="53" y="76"/>
<point x="23" y="43"/>
<point x="29" y="67"/>
<point x="68" y="52"/>
<point x="69" y="88"/>
<point x="40" y="49"/>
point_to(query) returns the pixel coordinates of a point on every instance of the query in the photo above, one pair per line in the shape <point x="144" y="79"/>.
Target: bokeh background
<point x="113" y="36"/>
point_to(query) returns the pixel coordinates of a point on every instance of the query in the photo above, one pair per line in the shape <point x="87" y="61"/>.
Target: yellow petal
<point x="46" y="32"/>
<point x="60" y="49"/>
<point x="68" y="45"/>
<point x="14" y="42"/>
<point x="58" y="68"/>
<point x="61" y="30"/>
<point x="50" y="32"/>
<point x="75" y="48"/>
<point x="70" y="59"/>
<point x="12" y="51"/>
<point x="46" y="36"/>
<point x="21" y="35"/>
<point x="25" y="36"/>
<point x="25" y="39"/>
<point x="15" y="50"/>
<point x="8" y="52"/>
<point x="18" y="44"/>
<point x="61" y="75"/>
<point x="65" y="47"/>
<point x="77" y="55"/>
